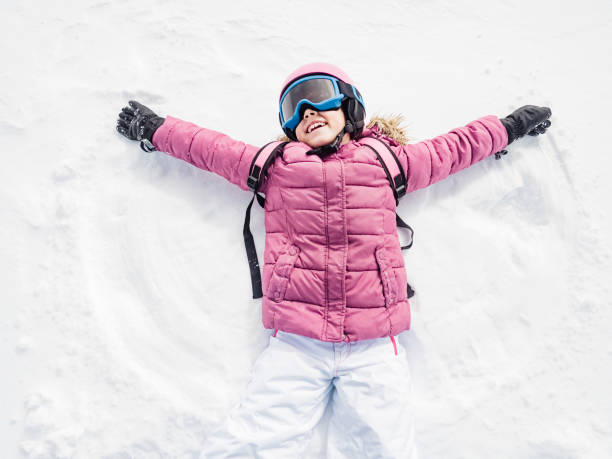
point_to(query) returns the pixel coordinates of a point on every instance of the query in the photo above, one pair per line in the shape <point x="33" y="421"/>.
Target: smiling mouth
<point x="314" y="126"/>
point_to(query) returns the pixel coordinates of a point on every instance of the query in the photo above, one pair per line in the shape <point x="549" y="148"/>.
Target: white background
<point x="128" y="328"/>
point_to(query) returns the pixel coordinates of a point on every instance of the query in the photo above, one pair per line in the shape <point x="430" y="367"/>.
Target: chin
<point x="319" y="141"/>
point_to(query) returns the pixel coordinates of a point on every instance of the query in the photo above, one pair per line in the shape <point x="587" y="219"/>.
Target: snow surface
<point x="128" y="329"/>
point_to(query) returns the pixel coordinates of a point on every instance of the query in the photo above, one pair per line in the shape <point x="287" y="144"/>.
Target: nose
<point x="309" y="112"/>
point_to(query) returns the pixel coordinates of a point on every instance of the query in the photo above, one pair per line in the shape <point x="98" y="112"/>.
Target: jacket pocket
<point x="387" y="276"/>
<point x="281" y="273"/>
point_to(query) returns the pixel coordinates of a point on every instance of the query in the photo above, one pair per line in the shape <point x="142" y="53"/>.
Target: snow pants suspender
<point x="263" y="158"/>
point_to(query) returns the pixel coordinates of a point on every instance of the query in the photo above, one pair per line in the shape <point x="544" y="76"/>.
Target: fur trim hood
<point x="388" y="126"/>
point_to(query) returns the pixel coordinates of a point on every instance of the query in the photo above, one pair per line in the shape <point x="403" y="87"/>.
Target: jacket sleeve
<point x="207" y="149"/>
<point x="432" y="160"/>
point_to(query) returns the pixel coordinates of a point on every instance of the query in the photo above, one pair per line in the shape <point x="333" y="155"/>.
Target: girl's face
<point x="321" y="128"/>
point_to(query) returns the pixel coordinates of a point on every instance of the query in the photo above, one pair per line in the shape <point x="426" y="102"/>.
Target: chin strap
<point x="333" y="147"/>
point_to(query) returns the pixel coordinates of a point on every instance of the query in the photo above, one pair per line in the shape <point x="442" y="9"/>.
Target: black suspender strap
<point x="249" y="244"/>
<point x="395" y="174"/>
<point x="397" y="179"/>
<point x="402" y="224"/>
<point x="262" y="159"/>
<point x="390" y="164"/>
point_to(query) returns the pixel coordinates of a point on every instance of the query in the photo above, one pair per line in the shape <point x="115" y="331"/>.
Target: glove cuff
<point x="511" y="129"/>
<point x="150" y="126"/>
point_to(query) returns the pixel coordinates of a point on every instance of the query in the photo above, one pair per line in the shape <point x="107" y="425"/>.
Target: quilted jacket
<point x="332" y="267"/>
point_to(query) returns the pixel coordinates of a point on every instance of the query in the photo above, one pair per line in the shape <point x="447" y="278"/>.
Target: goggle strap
<point x="346" y="89"/>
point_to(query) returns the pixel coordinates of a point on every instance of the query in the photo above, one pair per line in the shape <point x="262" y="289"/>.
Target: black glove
<point x="528" y="119"/>
<point x="138" y="122"/>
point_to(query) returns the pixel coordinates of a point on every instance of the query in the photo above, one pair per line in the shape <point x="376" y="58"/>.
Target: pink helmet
<point x="316" y="68"/>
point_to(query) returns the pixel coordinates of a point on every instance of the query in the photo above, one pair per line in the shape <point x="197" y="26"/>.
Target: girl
<point x="334" y="285"/>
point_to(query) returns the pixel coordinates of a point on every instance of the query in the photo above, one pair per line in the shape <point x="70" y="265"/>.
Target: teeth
<point x="315" y="125"/>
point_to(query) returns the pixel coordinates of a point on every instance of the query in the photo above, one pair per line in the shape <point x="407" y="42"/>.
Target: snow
<point x="128" y="327"/>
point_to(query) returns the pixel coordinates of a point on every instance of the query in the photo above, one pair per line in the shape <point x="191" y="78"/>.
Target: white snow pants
<point x="368" y="383"/>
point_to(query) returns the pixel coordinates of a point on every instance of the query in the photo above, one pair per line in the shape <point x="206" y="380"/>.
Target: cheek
<point x="299" y="130"/>
<point x="337" y="121"/>
<point x="299" y="133"/>
<point x="336" y="124"/>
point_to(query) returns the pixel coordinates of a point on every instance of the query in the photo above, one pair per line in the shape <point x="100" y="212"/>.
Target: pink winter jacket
<point x="333" y="268"/>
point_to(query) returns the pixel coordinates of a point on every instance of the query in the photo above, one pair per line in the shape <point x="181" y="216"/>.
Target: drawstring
<point x="394" y="345"/>
<point x="275" y="332"/>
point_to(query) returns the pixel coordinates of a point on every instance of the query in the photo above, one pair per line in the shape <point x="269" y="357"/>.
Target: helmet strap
<point x="332" y="147"/>
<point x="349" y="128"/>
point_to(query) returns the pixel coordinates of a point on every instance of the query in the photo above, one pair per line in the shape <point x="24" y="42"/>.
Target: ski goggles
<point x="321" y="92"/>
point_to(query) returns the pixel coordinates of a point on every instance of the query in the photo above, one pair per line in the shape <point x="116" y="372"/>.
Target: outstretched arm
<point x="207" y="149"/>
<point x="432" y="160"/>
<point x="204" y="148"/>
